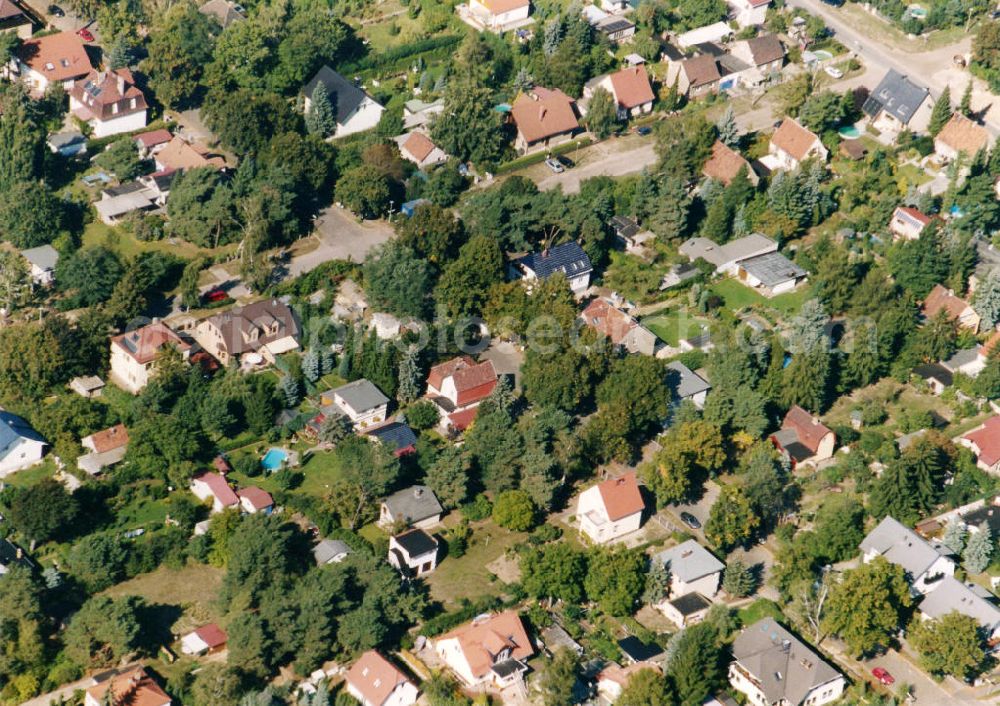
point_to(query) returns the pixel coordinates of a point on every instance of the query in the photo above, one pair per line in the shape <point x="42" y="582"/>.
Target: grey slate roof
<point x="772" y="269"/>
<point x="413" y="504"/>
<point x="416" y="542"/>
<point x="12" y="429"/>
<point x="43" y="257"/>
<point x="326" y="550"/>
<point x="690" y="603"/>
<point x="361" y="395"/>
<point x="961" y="358"/>
<point x="734" y="251"/>
<point x="568" y="258"/>
<point x="786" y="668"/>
<point x="689" y="561"/>
<point x="897" y="95"/>
<point x="345" y="96"/>
<point x="951" y="594"/>
<point x="686" y="383"/>
<point x="903" y="547"/>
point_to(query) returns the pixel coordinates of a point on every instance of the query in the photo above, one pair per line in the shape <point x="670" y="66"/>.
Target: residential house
<point x="55" y="58"/>
<point x="629" y="234"/>
<point x="254" y="500"/>
<point x="726" y="258"/>
<point x="897" y="103"/>
<point x="225" y="12"/>
<point x="212" y="486"/>
<point x="489" y="651"/>
<point x="87" y="386"/>
<point x="398" y="436"/>
<point x="109" y="101"/>
<point x="959" y="136"/>
<point x="804" y="438"/>
<point x="20" y="445"/>
<point x="267" y="327"/>
<point x="954" y="307"/>
<point x="630" y="88"/>
<point x="360" y="401"/>
<point x="118" y="202"/>
<point x="693" y="569"/>
<point x="908" y="223"/>
<point x="417" y="147"/>
<point x="613" y="678"/>
<point x="42" y="261"/>
<point x="772" y="667"/>
<point x="637" y="651"/>
<point x="129" y="686"/>
<point x="149" y="143"/>
<point x="984" y="442"/>
<point x="71" y="143"/>
<point x="764" y="54"/>
<point x="715" y="33"/>
<point x="696" y="76"/>
<point x="969" y="599"/>
<point x="685" y="610"/>
<point x="418" y="113"/>
<point x="771" y="274"/>
<point x="544" y="118"/>
<point x="413" y="553"/>
<point x="330" y="551"/>
<point x="417" y="506"/>
<point x="685" y="384"/>
<point x="725" y="163"/>
<point x="567" y="259"/>
<point x="375" y="681"/>
<point x="499" y="15"/>
<point x="617" y="29"/>
<point x="181" y="155"/>
<point x="748" y="13"/>
<point x="791" y="144"/>
<point x="925" y="563"/>
<point x="14" y="20"/>
<point x="457" y="386"/>
<point x="106" y="448"/>
<point x="356" y="110"/>
<point x="206" y="639"/>
<point x="969" y="361"/>
<point x="134" y="354"/>
<point x="12" y="555"/>
<point x="611" y="509"/>
<point x="935" y="375"/>
<point x="624" y="331"/>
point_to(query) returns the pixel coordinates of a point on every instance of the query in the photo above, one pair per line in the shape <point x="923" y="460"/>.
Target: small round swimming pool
<point x="849" y="132"/>
<point x="273" y="459"/>
<point x="823" y="55"/>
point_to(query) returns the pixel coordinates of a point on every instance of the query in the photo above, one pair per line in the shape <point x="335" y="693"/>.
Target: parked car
<point x="566" y="162"/>
<point x="85" y="34"/>
<point x="216" y="295"/>
<point x="883" y="676"/>
<point x="690" y="520"/>
<point x="555" y="165"/>
<point x="834" y="72"/>
<point x="643" y="130"/>
<point x="56" y="11"/>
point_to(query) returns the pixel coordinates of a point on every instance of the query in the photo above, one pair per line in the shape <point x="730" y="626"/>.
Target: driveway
<point x="699" y="509"/>
<point x="341" y="237"/>
<point x="924" y="689"/>
<point x="610" y="158"/>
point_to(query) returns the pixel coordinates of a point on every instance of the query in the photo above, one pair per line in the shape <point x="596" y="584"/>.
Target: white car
<point x="834" y="72"/>
<point x="555" y="165"/>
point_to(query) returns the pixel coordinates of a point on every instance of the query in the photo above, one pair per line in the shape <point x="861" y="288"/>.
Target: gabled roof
<point x="621" y="496"/>
<point x="987" y="440"/>
<point x="375" y="677"/>
<point x="950" y="594"/>
<point x="793" y="138"/>
<point x="234" y="323"/>
<point x="395" y="435"/>
<point x="108" y="94"/>
<point x="134" y="681"/>
<point x="44" y="257"/>
<point x="212" y="635"/>
<point x="733" y="251"/>
<point x="724" y="164"/>
<point x="809" y="430"/>
<point x="786" y="668"/>
<point x="543" y="113"/>
<point x="689" y="561"/>
<point x="258" y="498"/>
<point x="897" y="95"/>
<point x="154" y="138"/>
<point x="418" y="145"/>
<point x="608" y="320"/>
<point x="701" y="70"/>
<point x="765" y="49"/>
<point x="568" y="258"/>
<point x="219" y="487"/>
<point x="631" y="87"/>
<point x="498" y="7"/>
<point x="912" y="215"/>
<point x="326" y="550"/>
<point x="57" y="57"/>
<point x="222" y="10"/>
<point x="942" y="299"/>
<point x="9" y="10"/>
<point x="684" y="382"/>
<point x="963" y="135"/>
<point x="181" y="154"/>
<point x="903" y="547"/>
<point x="481" y="641"/>
<point x="113" y="438"/>
<point x="344" y="95"/>
<point x="361" y="395"/>
<point x="413" y="504"/>
<point x="144" y="344"/>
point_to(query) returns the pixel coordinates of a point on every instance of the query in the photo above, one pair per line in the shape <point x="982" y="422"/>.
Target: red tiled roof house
<point x="804" y="438"/>
<point x="957" y="309"/>
<point x="908" y="223"/>
<point x="457" y="386"/>
<point x="544" y="118"/>
<point x="961" y="136"/>
<point x="611" y="509"/>
<point x="487" y="652"/>
<point x="499" y="15"/>
<point x="725" y="163"/>
<point x="207" y="638"/>
<point x="134" y="354"/>
<point x="375" y="681"/>
<point x="620" y="328"/>
<point x="129" y="687"/>
<point x="629" y="87"/>
<point x="984" y="442"/>
<point x="214" y="487"/>
<point x="254" y="499"/>
<point x="55" y="58"/>
<point x="109" y="101"/>
<point x="791" y="144"/>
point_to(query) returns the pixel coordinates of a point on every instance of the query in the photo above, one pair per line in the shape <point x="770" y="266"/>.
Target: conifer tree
<point x="941" y="113"/>
<point x="321" y="119"/>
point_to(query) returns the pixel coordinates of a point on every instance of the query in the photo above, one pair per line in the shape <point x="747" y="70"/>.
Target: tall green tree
<point x="940" y="113"/>
<point x="464" y="283"/>
<point x="179" y="49"/>
<point x="396" y="280"/>
<point x="868" y="605"/>
<point x="321" y="119"/>
<point x="732" y="520"/>
<point x="615" y="579"/>
<point x="602" y="114"/>
<point x="951" y="644"/>
<point x="469" y="128"/>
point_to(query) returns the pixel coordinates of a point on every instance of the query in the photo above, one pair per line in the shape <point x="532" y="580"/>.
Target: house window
<point x="425" y="568"/>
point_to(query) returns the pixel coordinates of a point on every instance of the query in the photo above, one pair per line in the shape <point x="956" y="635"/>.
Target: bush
<point x="514" y="510"/>
<point x="479" y="509"/>
<point x="422" y="414"/>
<point x="248" y="465"/>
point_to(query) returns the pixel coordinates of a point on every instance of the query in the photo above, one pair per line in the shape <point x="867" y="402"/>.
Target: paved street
<point x="341" y="237"/>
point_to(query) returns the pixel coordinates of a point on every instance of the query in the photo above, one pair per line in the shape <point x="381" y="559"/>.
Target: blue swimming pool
<point x="274" y="459"/>
<point x="849" y="132"/>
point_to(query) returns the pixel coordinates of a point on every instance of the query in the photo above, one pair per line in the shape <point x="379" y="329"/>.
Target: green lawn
<point x="760" y="608"/>
<point x="33" y="475"/>
<point x="97" y="233"/>
<point x="674" y="326"/>
<point x="739" y="296"/>
<point x="467" y="576"/>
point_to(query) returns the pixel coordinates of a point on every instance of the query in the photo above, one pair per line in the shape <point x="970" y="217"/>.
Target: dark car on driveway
<point x="690" y="520"/>
<point x="56" y="11"/>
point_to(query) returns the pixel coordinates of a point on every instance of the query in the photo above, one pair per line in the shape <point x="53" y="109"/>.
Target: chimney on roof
<point x="19" y="554"/>
<point x="417" y="492"/>
<point x="121" y="82"/>
<point x="541" y="113"/>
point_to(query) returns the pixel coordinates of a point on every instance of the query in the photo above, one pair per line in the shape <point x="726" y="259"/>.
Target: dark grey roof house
<point x="356" y="110"/>
<point x="566" y="258"/>
<point x="685" y="384"/>
<point x="900" y="101"/>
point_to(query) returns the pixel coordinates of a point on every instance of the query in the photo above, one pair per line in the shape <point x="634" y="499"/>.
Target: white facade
<point x="578" y="285"/>
<point x="706" y="585"/>
<point x="116" y="126"/>
<point x="594" y="520"/>
<point x="747" y="13"/>
<point x="128" y="373"/>
<point x="927" y="581"/>
<point x="500" y="20"/>
<point x="405" y="694"/>
<point x="746" y="683"/>
<point x="364" y="117"/>
<point x="418" y="564"/>
<point x="22" y="453"/>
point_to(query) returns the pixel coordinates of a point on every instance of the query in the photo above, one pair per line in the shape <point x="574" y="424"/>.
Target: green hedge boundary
<point x="539" y="157"/>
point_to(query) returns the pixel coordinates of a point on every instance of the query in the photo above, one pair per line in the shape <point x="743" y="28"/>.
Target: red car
<point x="883" y="676"/>
<point x="216" y="295"/>
<point x="85" y="34"/>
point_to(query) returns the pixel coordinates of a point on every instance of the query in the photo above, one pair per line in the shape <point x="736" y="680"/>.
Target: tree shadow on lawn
<point x="157" y="620"/>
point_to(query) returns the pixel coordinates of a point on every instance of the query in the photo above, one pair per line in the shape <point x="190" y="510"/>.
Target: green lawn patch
<point x="760" y="608"/>
<point x="321" y="470"/>
<point x="738" y="296"/>
<point x="192" y="589"/>
<point x="31" y="476"/>
<point x="675" y="326"/>
<point x="468" y="575"/>
<point x="125" y="244"/>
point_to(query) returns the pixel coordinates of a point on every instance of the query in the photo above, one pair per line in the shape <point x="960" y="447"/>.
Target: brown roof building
<point x="373" y="680"/>
<point x="181" y="154"/>
<point x="107" y="440"/>
<point x="631" y="87"/>
<point x="961" y="136"/>
<point x="791" y="144"/>
<point x="957" y="309"/>
<point x="267" y="327"/>
<point x="129" y="687"/>
<point x="462" y="381"/>
<point x="803" y="437"/>
<point x="54" y="58"/>
<point x="543" y="117"/>
<point x="134" y="354"/>
<point x="487" y="651"/>
<point x="725" y="163"/>
<point x="110" y="101"/>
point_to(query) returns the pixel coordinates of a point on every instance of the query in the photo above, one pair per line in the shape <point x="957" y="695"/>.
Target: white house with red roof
<point x="611" y="509"/>
<point x="630" y="88"/>
<point x="457" y="386"/>
<point x="106" y="448"/>
<point x="489" y="651"/>
<point x="496" y="15"/>
<point x="941" y="299"/>
<point x="984" y="442"/>
<point x="55" y="58"/>
<point x="619" y="327"/>
<point x="375" y="681"/>
<point x="544" y="118"/>
<point x="109" y="101"/>
<point x="908" y="223"/>
<point x="791" y="144"/>
<point x="418" y="148"/>
<point x="134" y="354"/>
<point x="129" y="686"/>
<point x="207" y="638"/>
<point x="214" y="487"/>
<point x="149" y="143"/>
<point x="804" y="438"/>
<point x="749" y="13"/>
<point x="254" y="499"/>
